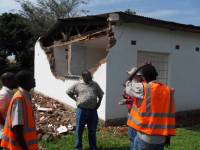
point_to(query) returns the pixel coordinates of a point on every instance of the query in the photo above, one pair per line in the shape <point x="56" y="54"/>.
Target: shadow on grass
<point x="193" y="128"/>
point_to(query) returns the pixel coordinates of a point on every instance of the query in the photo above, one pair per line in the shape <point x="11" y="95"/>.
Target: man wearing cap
<point x="128" y="100"/>
<point x="154" y="117"/>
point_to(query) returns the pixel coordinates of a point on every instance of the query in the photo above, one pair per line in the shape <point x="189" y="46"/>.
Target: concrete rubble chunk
<point x="70" y="127"/>
<point x="53" y="119"/>
<point x="44" y="109"/>
<point x="62" y="129"/>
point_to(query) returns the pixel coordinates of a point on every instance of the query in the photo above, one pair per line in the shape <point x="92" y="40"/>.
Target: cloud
<point x="8" y="5"/>
<point x="96" y="3"/>
<point x="161" y="13"/>
<point x="170" y="13"/>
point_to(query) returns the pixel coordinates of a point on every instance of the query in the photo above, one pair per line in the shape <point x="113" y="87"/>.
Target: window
<point x="159" y="60"/>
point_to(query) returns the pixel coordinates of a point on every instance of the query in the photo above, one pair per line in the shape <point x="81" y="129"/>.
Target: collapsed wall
<point x="72" y="45"/>
<point x="48" y="85"/>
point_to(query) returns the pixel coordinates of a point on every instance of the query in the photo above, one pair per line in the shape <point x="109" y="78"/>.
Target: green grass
<point x="105" y="141"/>
<point x="186" y="139"/>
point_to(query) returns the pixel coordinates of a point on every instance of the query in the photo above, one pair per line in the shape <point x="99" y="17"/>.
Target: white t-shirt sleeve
<point x="17" y="114"/>
<point x="134" y="89"/>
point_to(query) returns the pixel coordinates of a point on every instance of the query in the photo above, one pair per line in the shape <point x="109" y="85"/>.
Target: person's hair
<point x="149" y="73"/>
<point x="6" y="77"/>
<point x="85" y="73"/>
<point x="23" y="77"/>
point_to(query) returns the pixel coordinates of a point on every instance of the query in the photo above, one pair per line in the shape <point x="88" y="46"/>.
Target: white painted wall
<point x="100" y="77"/>
<point x="183" y="64"/>
<point x="183" y="69"/>
<point x="48" y="85"/>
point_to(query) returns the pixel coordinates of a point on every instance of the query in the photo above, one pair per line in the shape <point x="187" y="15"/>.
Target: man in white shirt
<point x="136" y="84"/>
<point x="8" y="84"/>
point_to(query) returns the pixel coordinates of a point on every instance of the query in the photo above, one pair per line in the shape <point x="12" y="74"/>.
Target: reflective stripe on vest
<point x="29" y="130"/>
<point x="151" y="126"/>
<point x="157" y="125"/>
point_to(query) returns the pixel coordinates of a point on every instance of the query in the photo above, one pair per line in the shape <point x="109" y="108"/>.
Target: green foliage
<point x="44" y="13"/>
<point x="130" y="12"/>
<point x="16" y="37"/>
<point x="186" y="139"/>
<point x="10" y="68"/>
<point x="14" y="33"/>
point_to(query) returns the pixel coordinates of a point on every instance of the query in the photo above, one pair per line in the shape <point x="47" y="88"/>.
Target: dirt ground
<point x="50" y="115"/>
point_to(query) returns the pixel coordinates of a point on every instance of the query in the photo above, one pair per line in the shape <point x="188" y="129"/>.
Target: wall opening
<point x="72" y="59"/>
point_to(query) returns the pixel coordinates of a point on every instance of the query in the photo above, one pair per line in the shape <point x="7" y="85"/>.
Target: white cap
<point x="130" y="72"/>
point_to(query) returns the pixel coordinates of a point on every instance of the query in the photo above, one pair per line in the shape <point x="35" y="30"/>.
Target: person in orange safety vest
<point x="128" y="100"/>
<point x="154" y="117"/>
<point x="8" y="84"/>
<point x="20" y="129"/>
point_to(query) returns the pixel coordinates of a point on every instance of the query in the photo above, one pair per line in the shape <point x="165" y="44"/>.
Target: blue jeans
<point x="83" y="117"/>
<point x="141" y="145"/>
<point x="131" y="134"/>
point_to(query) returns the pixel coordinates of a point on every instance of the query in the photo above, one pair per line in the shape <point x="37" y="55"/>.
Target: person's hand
<point x="147" y="62"/>
<point x="173" y="90"/>
<point x="98" y="105"/>
<point x="122" y="102"/>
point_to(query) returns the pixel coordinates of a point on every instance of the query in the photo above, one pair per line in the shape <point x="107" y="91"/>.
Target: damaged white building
<point x="109" y="45"/>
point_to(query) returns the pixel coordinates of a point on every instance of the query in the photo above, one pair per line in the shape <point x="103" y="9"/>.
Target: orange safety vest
<point x="9" y="140"/>
<point x="156" y="114"/>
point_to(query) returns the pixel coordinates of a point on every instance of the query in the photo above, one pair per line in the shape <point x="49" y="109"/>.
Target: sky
<point x="182" y="11"/>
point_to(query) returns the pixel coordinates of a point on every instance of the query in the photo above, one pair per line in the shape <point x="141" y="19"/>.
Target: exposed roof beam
<point x="90" y="36"/>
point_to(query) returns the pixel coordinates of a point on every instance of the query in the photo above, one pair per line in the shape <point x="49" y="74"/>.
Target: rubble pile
<point x="117" y="131"/>
<point x="53" y="119"/>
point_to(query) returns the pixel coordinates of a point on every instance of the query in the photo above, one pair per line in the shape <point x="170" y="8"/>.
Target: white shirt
<point x="5" y="98"/>
<point x="135" y="89"/>
<point x="17" y="109"/>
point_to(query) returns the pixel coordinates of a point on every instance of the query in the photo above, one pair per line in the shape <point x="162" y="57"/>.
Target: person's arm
<point x="138" y="69"/>
<point x="134" y="89"/>
<point x="72" y="95"/>
<point x="18" y="131"/>
<point x="99" y="101"/>
<point x="100" y="94"/>
<point x="71" y="92"/>
<point x="18" y="123"/>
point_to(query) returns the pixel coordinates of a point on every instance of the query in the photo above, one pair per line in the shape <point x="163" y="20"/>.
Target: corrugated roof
<point x="102" y="19"/>
<point x="137" y="19"/>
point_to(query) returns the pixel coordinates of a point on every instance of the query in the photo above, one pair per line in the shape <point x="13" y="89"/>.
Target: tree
<point x="130" y="12"/>
<point x="45" y="13"/>
<point x="16" y="37"/>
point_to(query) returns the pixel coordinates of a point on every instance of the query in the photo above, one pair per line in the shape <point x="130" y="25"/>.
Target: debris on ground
<point x="62" y="129"/>
<point x="118" y="130"/>
<point x="53" y="119"/>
